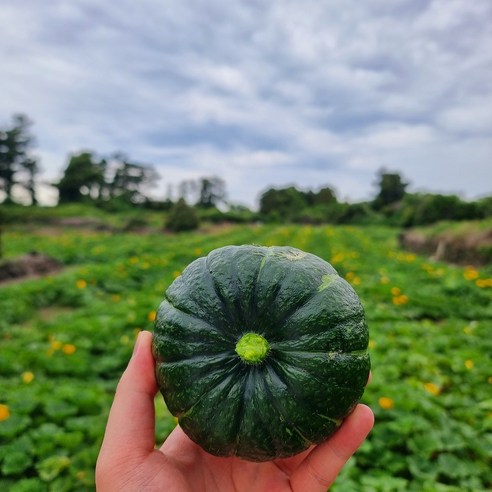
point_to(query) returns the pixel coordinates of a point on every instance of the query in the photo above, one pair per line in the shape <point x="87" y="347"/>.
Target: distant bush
<point x="485" y="206"/>
<point x="117" y="204"/>
<point x="359" y="213"/>
<point x="236" y="215"/>
<point x="329" y="213"/>
<point x="164" y="205"/>
<point x="182" y="217"/>
<point x="135" y="224"/>
<point x="423" y="209"/>
<point x="284" y="203"/>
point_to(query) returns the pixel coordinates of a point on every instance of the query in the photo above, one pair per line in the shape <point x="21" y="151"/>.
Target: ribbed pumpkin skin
<point x="312" y="377"/>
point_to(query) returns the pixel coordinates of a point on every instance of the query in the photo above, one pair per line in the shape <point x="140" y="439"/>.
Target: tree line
<point x="88" y="177"/>
<point x="115" y="181"/>
<point x="17" y="164"/>
<point x="392" y="205"/>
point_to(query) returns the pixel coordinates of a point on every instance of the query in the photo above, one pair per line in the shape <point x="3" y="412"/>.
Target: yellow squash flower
<point x="69" y="349"/>
<point x="4" y="412"/>
<point x="386" y="403"/>
<point x="432" y="388"/>
<point x="81" y="284"/>
<point x="27" y="377"/>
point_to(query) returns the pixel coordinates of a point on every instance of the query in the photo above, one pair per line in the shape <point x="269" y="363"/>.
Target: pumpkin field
<point x="66" y="338"/>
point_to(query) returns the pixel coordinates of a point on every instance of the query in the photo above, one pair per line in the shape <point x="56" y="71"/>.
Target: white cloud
<point x="396" y="136"/>
<point x="474" y="116"/>
<point x="273" y="93"/>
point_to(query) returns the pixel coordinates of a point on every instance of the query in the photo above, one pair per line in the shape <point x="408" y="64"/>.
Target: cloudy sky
<point x="262" y="93"/>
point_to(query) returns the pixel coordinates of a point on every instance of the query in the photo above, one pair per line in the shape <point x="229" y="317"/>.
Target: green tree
<point x="31" y="169"/>
<point x="485" y="206"/>
<point x="187" y="190"/>
<point x="129" y="181"/>
<point x="421" y="209"/>
<point x="83" y="176"/>
<point x="115" y="178"/>
<point x="325" y="195"/>
<point x="391" y="189"/>
<point x="284" y="203"/>
<point x="16" y="142"/>
<point x="212" y="192"/>
<point x="2" y="221"/>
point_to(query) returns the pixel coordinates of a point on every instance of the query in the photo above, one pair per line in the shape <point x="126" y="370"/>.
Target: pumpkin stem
<point x="252" y="348"/>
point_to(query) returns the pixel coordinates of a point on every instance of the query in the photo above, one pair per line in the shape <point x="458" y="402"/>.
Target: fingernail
<point x="137" y="343"/>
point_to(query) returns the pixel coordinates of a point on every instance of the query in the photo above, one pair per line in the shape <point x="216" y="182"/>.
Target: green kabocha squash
<point x="260" y="351"/>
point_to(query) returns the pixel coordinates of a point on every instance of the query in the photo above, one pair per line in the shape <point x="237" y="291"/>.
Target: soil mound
<point x="32" y="264"/>
<point x="474" y="248"/>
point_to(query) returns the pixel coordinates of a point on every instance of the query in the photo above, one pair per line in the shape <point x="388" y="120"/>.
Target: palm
<point x="181" y="465"/>
<point x="202" y="471"/>
<point x="128" y="460"/>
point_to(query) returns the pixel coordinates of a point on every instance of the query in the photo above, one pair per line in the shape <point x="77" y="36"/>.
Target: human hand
<point x="130" y="462"/>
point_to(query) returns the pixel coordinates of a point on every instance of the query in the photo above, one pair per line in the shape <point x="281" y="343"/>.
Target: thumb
<point x="130" y="431"/>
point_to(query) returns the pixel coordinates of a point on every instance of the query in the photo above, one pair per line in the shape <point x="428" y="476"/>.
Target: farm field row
<point x="65" y="340"/>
